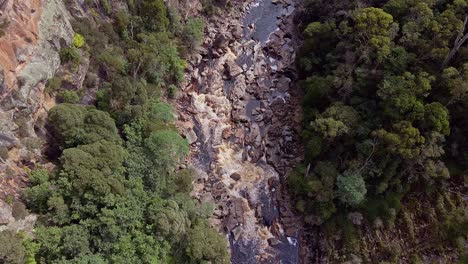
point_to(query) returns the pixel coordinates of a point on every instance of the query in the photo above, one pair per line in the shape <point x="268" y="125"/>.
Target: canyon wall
<point x="29" y="55"/>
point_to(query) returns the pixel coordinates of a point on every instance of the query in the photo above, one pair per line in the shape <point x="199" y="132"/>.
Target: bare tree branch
<point x="458" y="43"/>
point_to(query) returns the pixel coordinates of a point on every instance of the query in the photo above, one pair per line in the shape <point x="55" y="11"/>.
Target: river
<point x="240" y="112"/>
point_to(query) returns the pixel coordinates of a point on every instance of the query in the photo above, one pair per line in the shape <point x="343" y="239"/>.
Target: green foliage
<point x="167" y="219"/>
<point x="405" y="139"/>
<point x="71" y="55"/>
<point x="53" y="84"/>
<point x="78" y="40"/>
<point x="351" y="188"/>
<point x="205" y="245"/>
<point x="155" y="14"/>
<point x="75" y="124"/>
<point x="156" y="57"/>
<point x="374" y="26"/>
<point x="166" y="147"/>
<point x="113" y="61"/>
<point x="383" y="113"/>
<point x="437" y="118"/>
<point x="70" y="97"/>
<point x="161" y="112"/>
<point x="11" y="248"/>
<point x="192" y="33"/>
<point x="116" y="194"/>
<point x="329" y="127"/>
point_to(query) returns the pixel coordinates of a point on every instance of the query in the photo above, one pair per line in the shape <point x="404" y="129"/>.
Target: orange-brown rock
<point x="21" y="33"/>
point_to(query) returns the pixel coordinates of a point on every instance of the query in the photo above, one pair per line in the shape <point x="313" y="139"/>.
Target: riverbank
<point x="239" y="110"/>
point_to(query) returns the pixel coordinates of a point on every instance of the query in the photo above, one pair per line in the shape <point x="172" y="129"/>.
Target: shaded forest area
<point x="385" y="126"/>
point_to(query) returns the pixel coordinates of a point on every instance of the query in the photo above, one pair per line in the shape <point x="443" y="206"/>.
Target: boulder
<point x="222" y="40"/>
<point x="237" y="31"/>
<point x="8" y="140"/>
<point x="5" y="213"/>
<point x="273" y="241"/>
<point x="191" y="136"/>
<point x="235" y="176"/>
<point x="233" y="70"/>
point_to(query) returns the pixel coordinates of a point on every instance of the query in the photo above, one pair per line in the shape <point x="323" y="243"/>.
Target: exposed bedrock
<point x="240" y="113"/>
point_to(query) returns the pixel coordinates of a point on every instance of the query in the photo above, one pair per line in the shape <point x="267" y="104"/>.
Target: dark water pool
<point x="263" y="14"/>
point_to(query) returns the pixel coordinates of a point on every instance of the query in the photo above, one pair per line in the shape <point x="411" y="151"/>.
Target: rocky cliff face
<point x="29" y="56"/>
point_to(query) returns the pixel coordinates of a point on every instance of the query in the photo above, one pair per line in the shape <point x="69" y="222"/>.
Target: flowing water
<point x="242" y="125"/>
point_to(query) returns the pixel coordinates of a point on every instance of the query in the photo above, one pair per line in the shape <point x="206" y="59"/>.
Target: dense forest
<point x="385" y="85"/>
<point x="385" y="125"/>
<point x="117" y="194"/>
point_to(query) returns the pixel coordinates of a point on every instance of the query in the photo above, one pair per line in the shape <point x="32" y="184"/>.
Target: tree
<point x="205" y="245"/>
<point x="456" y="82"/>
<point x="155" y="14"/>
<point x="406" y="140"/>
<point x="166" y="147"/>
<point x="351" y="188"/>
<point x="437" y="118"/>
<point x="168" y="220"/>
<point x="329" y="127"/>
<point x="161" y="112"/>
<point x="11" y="249"/>
<point x="375" y="27"/>
<point x="193" y="32"/>
<point x="156" y="57"/>
<point x="402" y="95"/>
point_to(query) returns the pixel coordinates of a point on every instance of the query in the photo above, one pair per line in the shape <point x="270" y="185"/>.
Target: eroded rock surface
<point x="29" y="56"/>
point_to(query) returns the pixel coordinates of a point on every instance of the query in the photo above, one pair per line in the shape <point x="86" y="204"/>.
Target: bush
<point x="19" y="210"/>
<point x="172" y="91"/>
<point x="113" y="60"/>
<point x="193" y="32"/>
<point x="11" y="249"/>
<point x="70" y="97"/>
<point x="166" y="147"/>
<point x="70" y="54"/>
<point x="78" y="41"/>
<point x="351" y="188"/>
<point x="106" y="6"/>
<point x="53" y="84"/>
<point x="155" y="14"/>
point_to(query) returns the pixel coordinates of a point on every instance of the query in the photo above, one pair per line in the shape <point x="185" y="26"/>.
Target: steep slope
<point x="35" y="32"/>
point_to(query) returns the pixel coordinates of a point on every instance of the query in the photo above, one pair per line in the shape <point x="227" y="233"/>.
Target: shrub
<point x="193" y="32"/>
<point x="53" y="84"/>
<point x="11" y="249"/>
<point x="351" y="188"/>
<point x="172" y="91"/>
<point x="106" y="6"/>
<point x="161" y="112"/>
<point x="113" y="61"/>
<point x="70" y="97"/>
<point x="78" y="41"/>
<point x="70" y="54"/>
<point x="19" y="210"/>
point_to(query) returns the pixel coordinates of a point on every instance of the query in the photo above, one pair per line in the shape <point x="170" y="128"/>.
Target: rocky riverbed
<point x="239" y="111"/>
